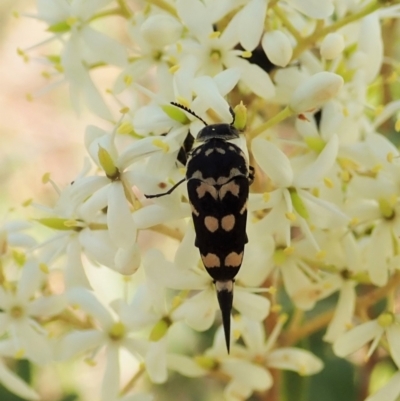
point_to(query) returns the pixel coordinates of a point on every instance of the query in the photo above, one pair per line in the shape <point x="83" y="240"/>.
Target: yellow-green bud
<point x="315" y="143"/>
<point x="60" y="27"/>
<point x="117" y="331"/>
<point x="175" y="113"/>
<point x="19" y="257"/>
<point x="159" y="330"/>
<point x="56" y="223"/>
<point x="125" y="127"/>
<point x="298" y="204"/>
<point x="386" y="208"/>
<point x="386" y="319"/>
<point x="279" y="257"/>
<point x="107" y="163"/>
<point x="205" y="362"/>
<point x="240" y="116"/>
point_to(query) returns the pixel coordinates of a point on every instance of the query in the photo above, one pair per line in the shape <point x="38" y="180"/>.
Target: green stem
<point x="320" y="33"/>
<point x="288" y="25"/>
<point x="165" y="6"/>
<point x="106" y="13"/>
<point x="125" y="11"/>
<point x="132" y="381"/>
<point x="282" y="115"/>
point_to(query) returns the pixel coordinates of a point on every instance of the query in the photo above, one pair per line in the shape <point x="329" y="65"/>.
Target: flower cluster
<point x="324" y="208"/>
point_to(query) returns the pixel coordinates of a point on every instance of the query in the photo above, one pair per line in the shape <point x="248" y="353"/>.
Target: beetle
<point x="218" y="178"/>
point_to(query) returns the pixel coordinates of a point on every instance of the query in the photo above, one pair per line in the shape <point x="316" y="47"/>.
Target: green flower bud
<point x="175" y="113"/>
<point x="298" y="204"/>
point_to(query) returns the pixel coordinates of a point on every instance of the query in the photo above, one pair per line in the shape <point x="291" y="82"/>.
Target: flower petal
<point x="296" y="359"/>
<point x="198" y="311"/>
<point x="313" y="173"/>
<point x="318" y="9"/>
<point x="248" y="374"/>
<point x="253" y="306"/>
<point x="110" y="382"/>
<point x="185" y="366"/>
<point x="78" y="342"/>
<point x="47" y="306"/>
<point x="88" y="301"/>
<point x="343" y="312"/>
<point x="357" y="337"/>
<point x="273" y="162"/>
<point x="277" y="47"/>
<point x="393" y="337"/>
<point x="251" y="24"/>
<point x="119" y="218"/>
<point x="156" y="361"/>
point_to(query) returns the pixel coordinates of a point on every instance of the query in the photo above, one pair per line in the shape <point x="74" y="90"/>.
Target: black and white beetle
<point x="218" y="178"/>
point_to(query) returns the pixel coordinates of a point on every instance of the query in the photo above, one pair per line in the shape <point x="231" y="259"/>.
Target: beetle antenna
<point x="232" y="114"/>
<point x="181" y="106"/>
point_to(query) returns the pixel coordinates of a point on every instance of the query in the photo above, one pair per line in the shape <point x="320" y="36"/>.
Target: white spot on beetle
<point x="234" y="259"/>
<point x="231" y="187"/>
<point x="224" y="286"/>
<point x="228" y="222"/>
<point x="211" y="260"/>
<point x="203" y="188"/>
<point x="211" y="223"/>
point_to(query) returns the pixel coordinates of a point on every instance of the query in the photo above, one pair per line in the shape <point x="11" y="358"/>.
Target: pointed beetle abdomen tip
<point x="225" y="299"/>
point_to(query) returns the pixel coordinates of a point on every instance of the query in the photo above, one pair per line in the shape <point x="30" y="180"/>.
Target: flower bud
<point x="298" y="204"/>
<point x="277" y="47"/>
<point x="314" y="92"/>
<point x="332" y="46"/>
<point x="159" y="330"/>
<point x="161" y="30"/>
<point x="175" y="113"/>
<point x="107" y="163"/>
<point x="56" y="223"/>
<point x="240" y="116"/>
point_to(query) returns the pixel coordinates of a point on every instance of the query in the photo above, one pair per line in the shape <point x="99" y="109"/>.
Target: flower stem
<point x="286" y="22"/>
<point x="165" y="6"/>
<point x="282" y="115"/>
<point x="107" y="13"/>
<point x="124" y="9"/>
<point x="320" y="33"/>
<point x="133" y="380"/>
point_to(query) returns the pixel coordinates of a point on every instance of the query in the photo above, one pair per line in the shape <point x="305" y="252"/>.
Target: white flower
<point x="314" y="92"/>
<point x="386" y="324"/>
<point x="291" y="202"/>
<point x="213" y="52"/>
<point x="83" y="47"/>
<point x="262" y="349"/>
<point x="248" y="367"/>
<point x="198" y="311"/>
<point x="370" y="45"/>
<point x="113" y="332"/>
<point x="277" y="47"/>
<point x="160" y="30"/>
<point x="114" y="191"/>
<point x="21" y="311"/>
<point x="332" y="45"/>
